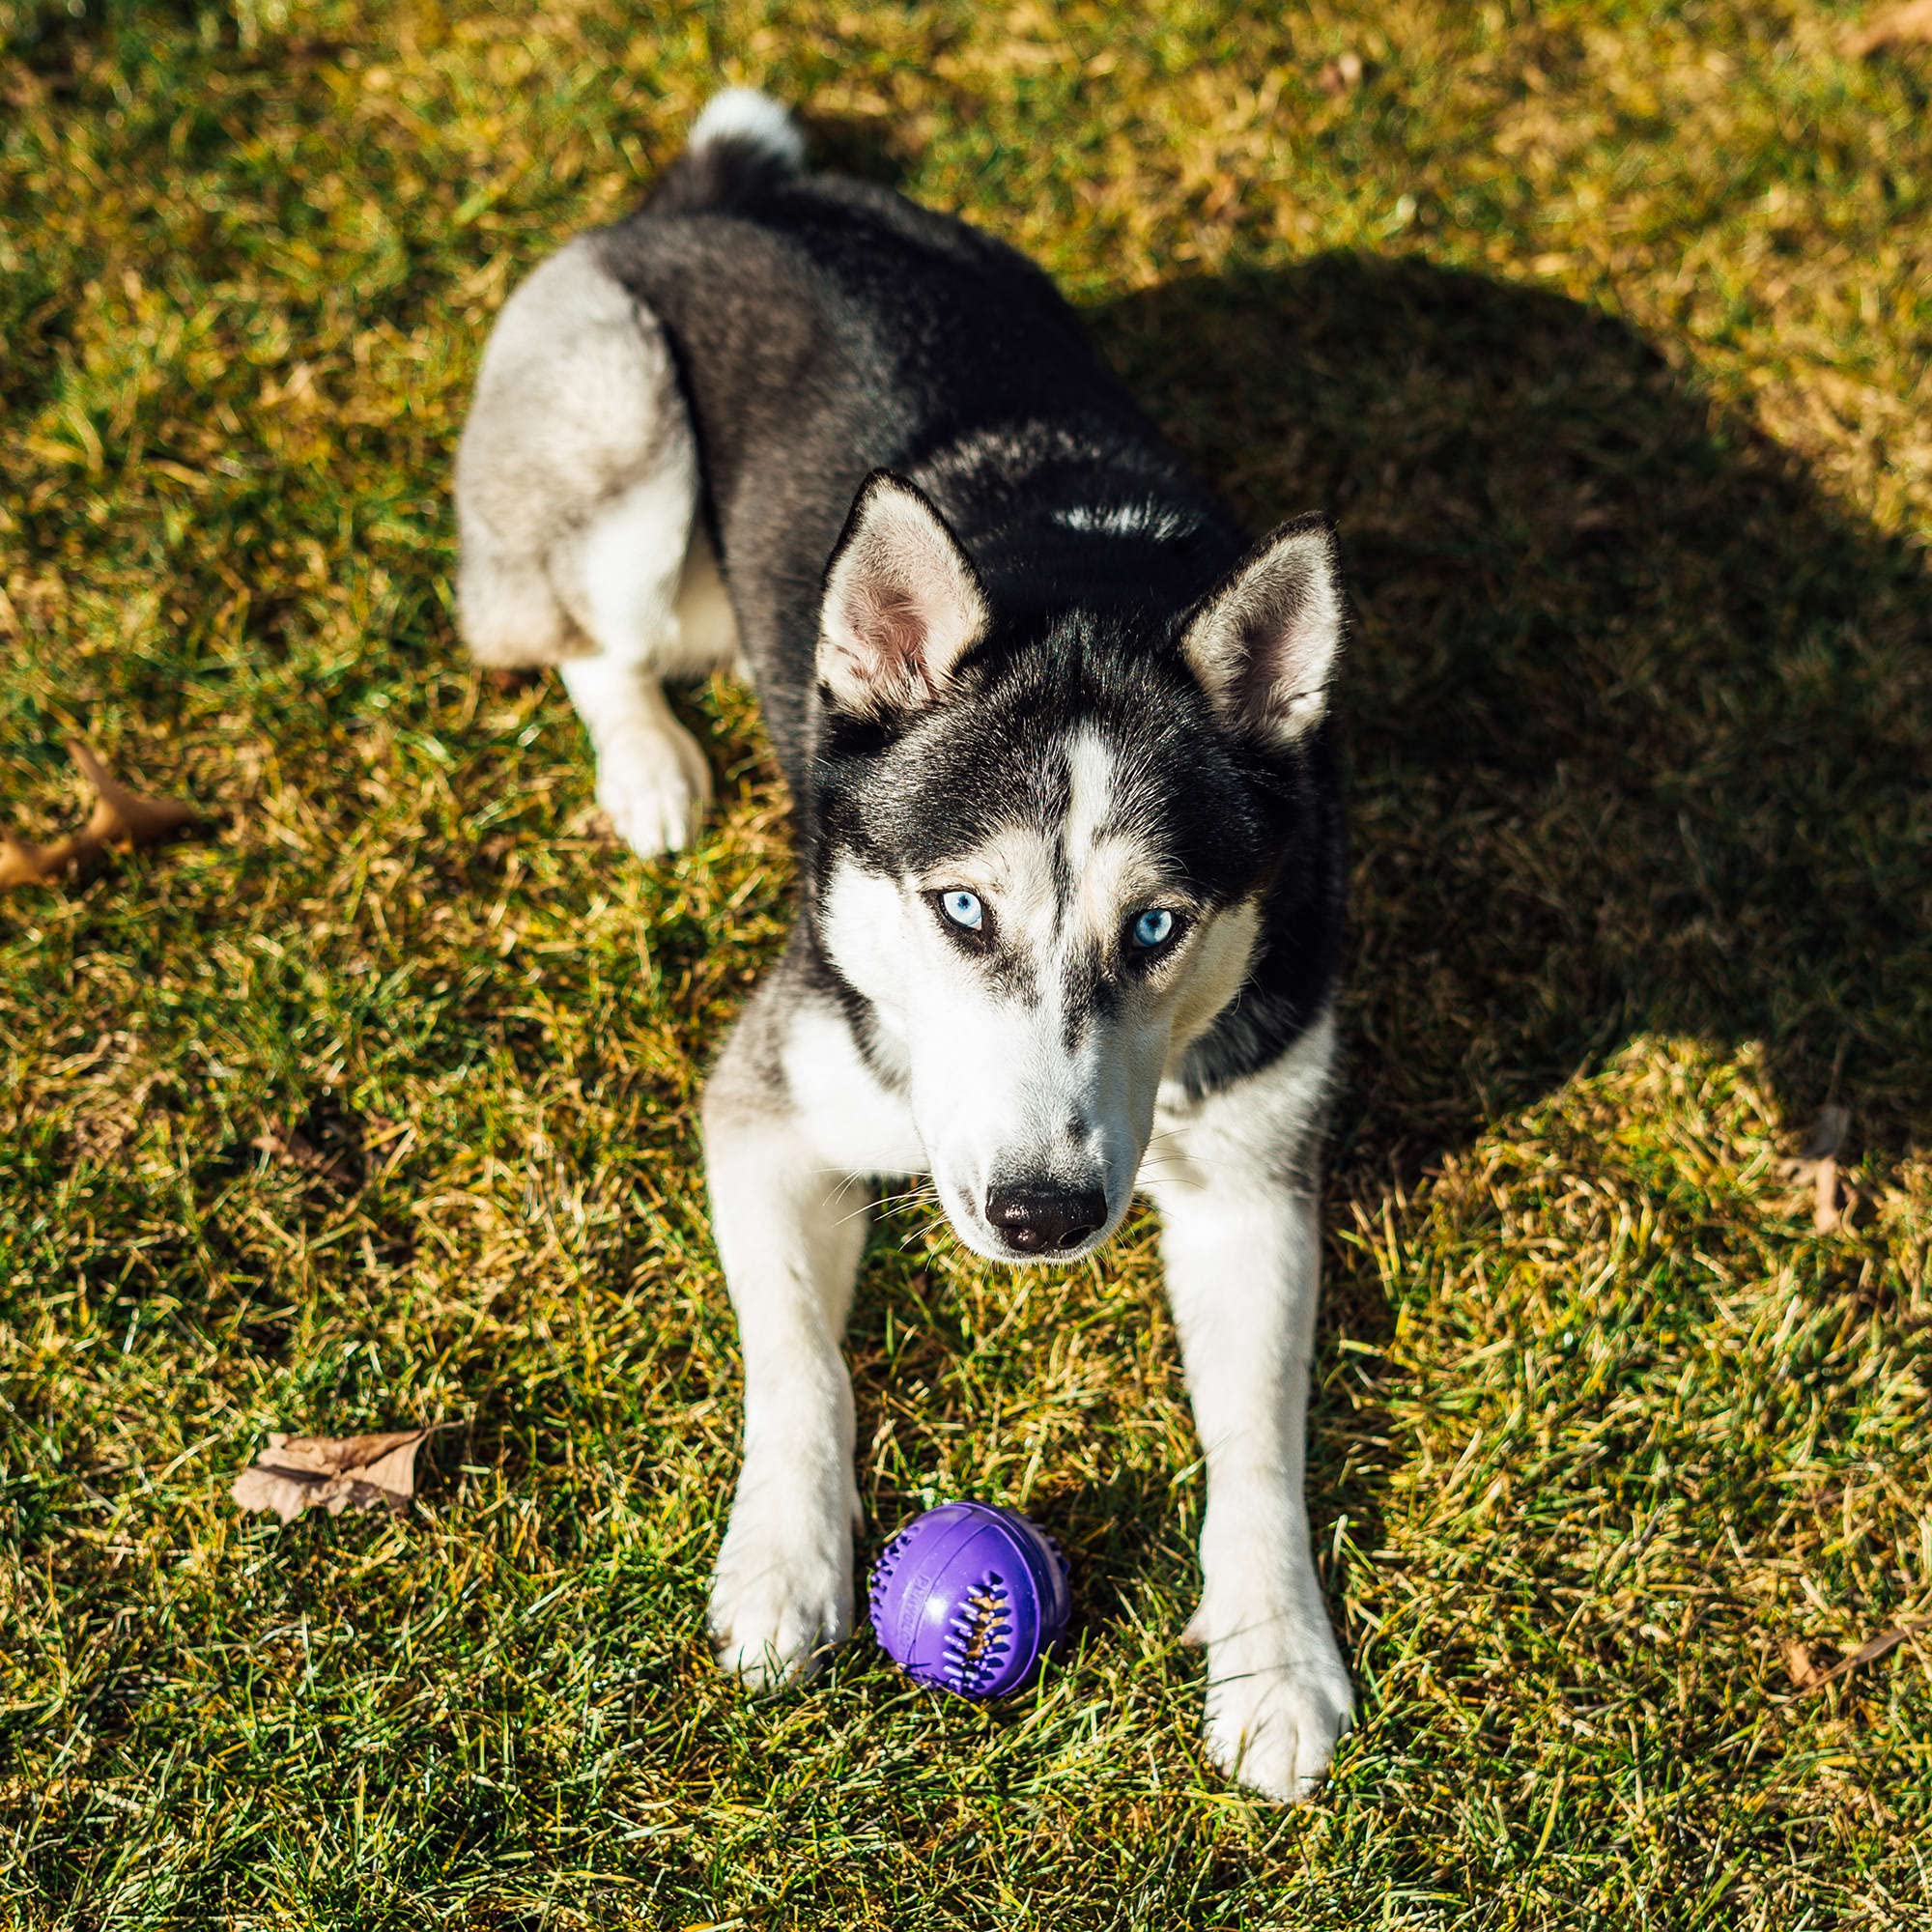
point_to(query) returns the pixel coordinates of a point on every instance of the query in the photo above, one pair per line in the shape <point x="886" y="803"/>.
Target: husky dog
<point x="1068" y="828"/>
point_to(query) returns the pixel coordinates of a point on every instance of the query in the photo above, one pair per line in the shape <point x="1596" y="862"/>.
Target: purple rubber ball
<point x="970" y="1597"/>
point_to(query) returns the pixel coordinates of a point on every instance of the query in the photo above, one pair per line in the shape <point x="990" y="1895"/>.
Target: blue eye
<point x="962" y="909"/>
<point x="1152" y="926"/>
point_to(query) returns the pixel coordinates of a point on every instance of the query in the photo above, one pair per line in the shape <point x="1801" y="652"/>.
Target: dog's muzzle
<point x="1045" y="1220"/>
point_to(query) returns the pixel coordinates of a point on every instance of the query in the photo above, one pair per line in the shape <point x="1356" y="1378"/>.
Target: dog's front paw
<point x="1272" y="1722"/>
<point x="654" y="787"/>
<point x="782" y="1596"/>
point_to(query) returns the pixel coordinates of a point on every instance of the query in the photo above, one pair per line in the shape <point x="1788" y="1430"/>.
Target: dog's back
<point x="824" y="327"/>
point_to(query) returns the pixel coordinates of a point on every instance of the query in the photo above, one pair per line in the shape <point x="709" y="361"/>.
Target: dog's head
<point x="1042" y="840"/>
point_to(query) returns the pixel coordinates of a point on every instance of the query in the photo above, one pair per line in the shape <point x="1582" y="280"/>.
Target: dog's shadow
<point x="1636" y="722"/>
<point x="1636" y="717"/>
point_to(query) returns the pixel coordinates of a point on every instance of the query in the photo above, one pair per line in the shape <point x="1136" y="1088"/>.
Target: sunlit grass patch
<point x="1604" y="331"/>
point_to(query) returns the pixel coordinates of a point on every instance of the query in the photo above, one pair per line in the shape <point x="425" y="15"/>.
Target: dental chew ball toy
<point x="969" y="1596"/>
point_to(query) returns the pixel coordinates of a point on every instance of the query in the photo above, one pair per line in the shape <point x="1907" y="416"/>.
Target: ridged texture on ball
<point x="969" y="1596"/>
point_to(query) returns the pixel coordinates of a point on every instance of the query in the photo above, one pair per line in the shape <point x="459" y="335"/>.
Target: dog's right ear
<point x="902" y="602"/>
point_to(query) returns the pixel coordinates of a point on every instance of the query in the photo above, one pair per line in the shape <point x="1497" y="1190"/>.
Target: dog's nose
<point x="1046" y="1220"/>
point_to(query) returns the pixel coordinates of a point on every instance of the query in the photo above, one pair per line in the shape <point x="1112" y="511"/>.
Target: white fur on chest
<point x="856" y="1123"/>
<point x="1236" y="1136"/>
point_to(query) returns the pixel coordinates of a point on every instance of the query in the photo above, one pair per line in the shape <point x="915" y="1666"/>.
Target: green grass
<point x="1604" y="331"/>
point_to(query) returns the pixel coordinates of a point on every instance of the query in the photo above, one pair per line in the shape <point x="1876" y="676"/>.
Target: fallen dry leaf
<point x="332" y="1472"/>
<point x="291" y="1146"/>
<point x="1816" y="1165"/>
<point x="1867" y="1652"/>
<point x="121" y="819"/>
<point x="1799" y="1665"/>
<point x="333" y="1142"/>
<point x="1896" y="27"/>
<point x="510" y="677"/>
<point x="1827" y="1206"/>
<point x="1342" y="75"/>
<point x="1827" y="1135"/>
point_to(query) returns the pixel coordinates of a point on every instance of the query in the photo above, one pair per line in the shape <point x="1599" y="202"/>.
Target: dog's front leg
<point x="1242" y="1257"/>
<point x="789" y="1234"/>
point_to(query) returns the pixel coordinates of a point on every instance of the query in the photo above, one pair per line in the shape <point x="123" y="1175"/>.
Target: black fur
<point x="825" y="328"/>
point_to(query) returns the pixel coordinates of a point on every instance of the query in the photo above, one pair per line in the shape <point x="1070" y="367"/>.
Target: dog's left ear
<point x="902" y="602"/>
<point x="1263" y="642"/>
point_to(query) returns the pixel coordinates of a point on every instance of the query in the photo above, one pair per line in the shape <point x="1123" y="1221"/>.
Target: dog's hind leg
<point x="578" y="505"/>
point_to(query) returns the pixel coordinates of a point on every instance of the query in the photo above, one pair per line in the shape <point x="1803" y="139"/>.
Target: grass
<point x="1604" y="331"/>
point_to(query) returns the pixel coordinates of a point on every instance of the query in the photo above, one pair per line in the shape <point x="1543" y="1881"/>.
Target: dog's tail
<point x="742" y="143"/>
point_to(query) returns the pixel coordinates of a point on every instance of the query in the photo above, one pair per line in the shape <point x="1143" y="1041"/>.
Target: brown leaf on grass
<point x="1799" y="1665"/>
<point x="333" y="1142"/>
<point x="508" y="678"/>
<point x="332" y="1472"/>
<point x="1827" y="1135"/>
<point x="1343" y="74"/>
<point x="1815" y="1164"/>
<point x="1867" y="1652"/>
<point x="1903" y="26"/>
<point x="291" y="1146"/>
<point x="122" y="819"/>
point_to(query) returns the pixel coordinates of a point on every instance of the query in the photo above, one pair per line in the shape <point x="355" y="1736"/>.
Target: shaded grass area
<point x="1604" y="331"/>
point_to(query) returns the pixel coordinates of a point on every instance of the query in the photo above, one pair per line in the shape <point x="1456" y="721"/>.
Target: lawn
<point x="1604" y="331"/>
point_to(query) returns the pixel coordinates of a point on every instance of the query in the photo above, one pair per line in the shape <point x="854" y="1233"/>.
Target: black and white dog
<point x="1069" y="825"/>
